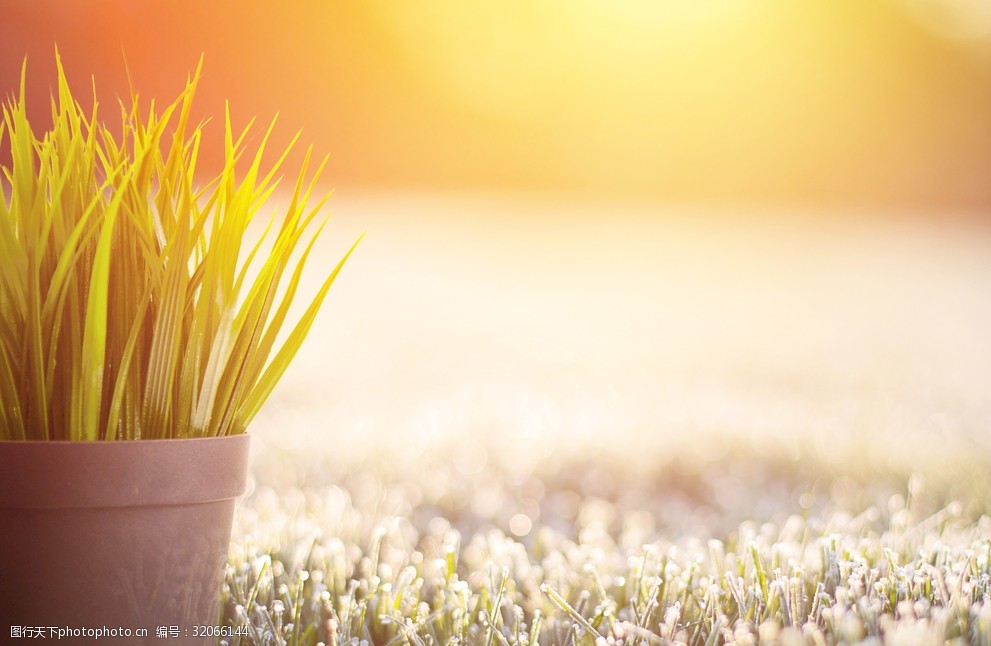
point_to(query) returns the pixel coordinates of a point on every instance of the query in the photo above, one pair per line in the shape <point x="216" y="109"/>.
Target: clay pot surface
<point x="128" y="535"/>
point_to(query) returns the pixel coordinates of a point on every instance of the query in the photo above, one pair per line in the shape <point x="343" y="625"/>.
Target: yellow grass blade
<point x="12" y="417"/>
<point x="95" y="331"/>
<point x="121" y="273"/>
<point x="280" y="363"/>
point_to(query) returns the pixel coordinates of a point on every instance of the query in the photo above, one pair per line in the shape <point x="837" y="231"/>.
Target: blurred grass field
<point x="525" y="320"/>
<point x="555" y="398"/>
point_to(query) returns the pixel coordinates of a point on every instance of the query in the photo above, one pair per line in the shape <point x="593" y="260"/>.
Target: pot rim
<point x="122" y="473"/>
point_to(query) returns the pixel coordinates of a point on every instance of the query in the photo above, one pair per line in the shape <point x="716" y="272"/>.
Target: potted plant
<point x="139" y="335"/>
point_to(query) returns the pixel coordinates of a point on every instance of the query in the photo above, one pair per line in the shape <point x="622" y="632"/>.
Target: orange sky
<point x="821" y="102"/>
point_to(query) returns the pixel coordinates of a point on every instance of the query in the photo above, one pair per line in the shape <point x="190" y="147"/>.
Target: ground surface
<point x="525" y="419"/>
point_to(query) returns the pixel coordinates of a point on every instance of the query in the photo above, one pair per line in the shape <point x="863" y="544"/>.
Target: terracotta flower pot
<point x="117" y="535"/>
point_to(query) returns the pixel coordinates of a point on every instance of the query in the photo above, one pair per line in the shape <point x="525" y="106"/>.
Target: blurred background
<point x="601" y="225"/>
<point x="879" y="103"/>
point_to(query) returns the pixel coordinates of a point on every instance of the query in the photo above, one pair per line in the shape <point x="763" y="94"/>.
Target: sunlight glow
<point x="961" y="20"/>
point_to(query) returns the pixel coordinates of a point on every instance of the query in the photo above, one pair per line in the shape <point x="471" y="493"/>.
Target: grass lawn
<point x="648" y="432"/>
<point x="737" y="549"/>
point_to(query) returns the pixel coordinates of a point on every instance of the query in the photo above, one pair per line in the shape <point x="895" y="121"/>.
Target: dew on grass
<point x="641" y="543"/>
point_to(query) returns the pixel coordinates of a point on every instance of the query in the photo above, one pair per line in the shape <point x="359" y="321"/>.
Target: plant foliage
<point x="130" y="307"/>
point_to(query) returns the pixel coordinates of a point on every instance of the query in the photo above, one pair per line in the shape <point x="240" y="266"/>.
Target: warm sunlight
<point x="716" y="101"/>
<point x="668" y="323"/>
<point x="968" y="21"/>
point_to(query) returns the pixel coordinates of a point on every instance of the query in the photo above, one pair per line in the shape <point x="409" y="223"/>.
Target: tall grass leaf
<point x="165" y="347"/>
<point x="248" y="326"/>
<point x="264" y="347"/>
<point x="266" y="383"/>
<point x="62" y="285"/>
<point x="11" y="415"/>
<point x="123" y="373"/>
<point x="220" y="351"/>
<point x="21" y="145"/>
<point x="95" y="331"/>
<point x="34" y="355"/>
